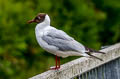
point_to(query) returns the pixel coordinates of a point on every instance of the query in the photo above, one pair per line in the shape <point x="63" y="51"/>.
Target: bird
<point x="58" y="42"/>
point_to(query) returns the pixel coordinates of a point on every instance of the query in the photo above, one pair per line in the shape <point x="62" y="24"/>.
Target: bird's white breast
<point x="39" y="33"/>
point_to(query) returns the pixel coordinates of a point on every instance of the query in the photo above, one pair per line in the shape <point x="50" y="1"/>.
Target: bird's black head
<point x="38" y="19"/>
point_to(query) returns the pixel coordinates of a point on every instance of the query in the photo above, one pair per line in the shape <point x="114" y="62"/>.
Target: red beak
<point x="31" y="21"/>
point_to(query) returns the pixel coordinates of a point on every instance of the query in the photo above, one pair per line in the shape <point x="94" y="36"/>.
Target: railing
<point x="89" y="68"/>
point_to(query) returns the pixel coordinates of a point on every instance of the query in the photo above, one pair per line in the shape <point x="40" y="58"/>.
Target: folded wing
<point x="62" y="41"/>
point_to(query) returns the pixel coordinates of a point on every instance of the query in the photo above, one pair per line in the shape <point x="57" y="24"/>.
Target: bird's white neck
<point x="44" y="24"/>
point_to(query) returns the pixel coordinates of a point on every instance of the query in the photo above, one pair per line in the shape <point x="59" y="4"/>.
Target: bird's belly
<point x="66" y="54"/>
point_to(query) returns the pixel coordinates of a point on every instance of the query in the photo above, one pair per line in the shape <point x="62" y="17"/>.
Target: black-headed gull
<point x="57" y="41"/>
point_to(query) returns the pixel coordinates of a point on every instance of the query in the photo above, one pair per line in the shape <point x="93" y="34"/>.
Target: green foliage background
<point x="92" y="22"/>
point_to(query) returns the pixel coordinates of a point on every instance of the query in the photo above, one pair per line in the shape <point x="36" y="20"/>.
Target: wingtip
<point x="101" y="52"/>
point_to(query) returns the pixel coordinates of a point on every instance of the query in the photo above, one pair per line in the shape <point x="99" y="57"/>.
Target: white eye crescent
<point x="39" y="18"/>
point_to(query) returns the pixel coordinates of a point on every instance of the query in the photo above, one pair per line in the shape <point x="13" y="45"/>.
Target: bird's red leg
<point x="58" y="62"/>
<point x="56" y="58"/>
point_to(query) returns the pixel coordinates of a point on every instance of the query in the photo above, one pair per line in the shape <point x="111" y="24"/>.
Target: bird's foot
<point x="55" y="68"/>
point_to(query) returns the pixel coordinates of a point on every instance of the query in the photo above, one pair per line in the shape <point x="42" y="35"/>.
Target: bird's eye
<point x="37" y="18"/>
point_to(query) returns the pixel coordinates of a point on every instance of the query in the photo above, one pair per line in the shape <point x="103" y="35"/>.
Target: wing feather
<point x="62" y="41"/>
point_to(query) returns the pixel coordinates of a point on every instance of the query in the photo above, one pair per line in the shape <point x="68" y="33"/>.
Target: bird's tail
<point x="89" y="51"/>
<point x="94" y="56"/>
<point x="92" y="50"/>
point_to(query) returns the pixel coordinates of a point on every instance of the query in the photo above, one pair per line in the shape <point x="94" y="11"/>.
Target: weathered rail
<point x="89" y="68"/>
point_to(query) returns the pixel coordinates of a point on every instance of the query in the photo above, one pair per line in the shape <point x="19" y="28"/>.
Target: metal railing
<point x="89" y="68"/>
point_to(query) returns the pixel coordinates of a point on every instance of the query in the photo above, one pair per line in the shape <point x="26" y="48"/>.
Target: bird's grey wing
<point x="59" y="34"/>
<point x="62" y="41"/>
